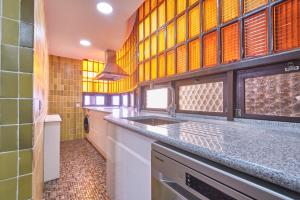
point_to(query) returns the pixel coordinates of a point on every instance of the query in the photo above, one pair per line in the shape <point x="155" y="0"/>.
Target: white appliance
<point x="52" y="147"/>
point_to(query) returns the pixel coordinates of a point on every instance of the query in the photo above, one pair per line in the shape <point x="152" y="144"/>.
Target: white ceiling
<point x="69" y="21"/>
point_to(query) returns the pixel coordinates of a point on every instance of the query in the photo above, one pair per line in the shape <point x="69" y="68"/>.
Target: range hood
<point x="112" y="71"/>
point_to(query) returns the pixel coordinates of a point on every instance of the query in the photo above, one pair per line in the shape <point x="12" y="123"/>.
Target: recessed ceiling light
<point x="104" y="8"/>
<point x="85" y="43"/>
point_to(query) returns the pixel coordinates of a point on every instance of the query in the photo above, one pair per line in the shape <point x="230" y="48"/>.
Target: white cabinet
<point x="97" y="134"/>
<point x="128" y="164"/>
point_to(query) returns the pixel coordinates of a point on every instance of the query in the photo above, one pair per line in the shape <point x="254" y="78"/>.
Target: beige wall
<point x="65" y="92"/>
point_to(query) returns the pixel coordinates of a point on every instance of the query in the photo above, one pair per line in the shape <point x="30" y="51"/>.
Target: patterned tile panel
<point x="274" y="95"/>
<point x="206" y="97"/>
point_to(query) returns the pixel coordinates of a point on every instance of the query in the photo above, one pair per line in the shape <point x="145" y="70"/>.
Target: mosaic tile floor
<point x="82" y="174"/>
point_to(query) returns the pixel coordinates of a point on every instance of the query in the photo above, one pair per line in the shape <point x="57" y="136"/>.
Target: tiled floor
<point x="82" y="174"/>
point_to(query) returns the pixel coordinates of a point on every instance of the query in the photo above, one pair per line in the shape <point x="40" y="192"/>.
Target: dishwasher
<point x="178" y="175"/>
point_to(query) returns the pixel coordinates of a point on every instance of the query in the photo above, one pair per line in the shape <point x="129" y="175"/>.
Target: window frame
<point x="144" y="100"/>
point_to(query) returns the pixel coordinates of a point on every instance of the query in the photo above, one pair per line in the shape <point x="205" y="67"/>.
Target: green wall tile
<point x="26" y="35"/>
<point x="8" y="165"/>
<point x="25" y="136"/>
<point x="25" y="162"/>
<point x="8" y="85"/>
<point x="8" y="138"/>
<point x="25" y="187"/>
<point x="9" y="58"/>
<point x="11" y="9"/>
<point x="25" y="85"/>
<point x="25" y="111"/>
<point x="10" y="32"/>
<point x="8" y="111"/>
<point x="27" y="11"/>
<point x="26" y="60"/>
<point x="8" y="189"/>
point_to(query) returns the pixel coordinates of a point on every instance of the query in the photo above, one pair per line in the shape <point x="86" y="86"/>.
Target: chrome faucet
<point x="171" y="108"/>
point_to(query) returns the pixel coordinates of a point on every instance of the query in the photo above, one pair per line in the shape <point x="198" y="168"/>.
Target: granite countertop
<point x="268" y="151"/>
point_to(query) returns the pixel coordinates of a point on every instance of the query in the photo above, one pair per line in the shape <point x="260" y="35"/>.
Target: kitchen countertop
<point x="269" y="151"/>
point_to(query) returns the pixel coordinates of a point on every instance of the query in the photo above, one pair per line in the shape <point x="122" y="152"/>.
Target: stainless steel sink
<point x="154" y="120"/>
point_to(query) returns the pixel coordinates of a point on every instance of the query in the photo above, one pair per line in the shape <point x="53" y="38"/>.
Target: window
<point x="87" y="100"/>
<point x="125" y="100"/>
<point x="132" y="99"/>
<point x="100" y="100"/>
<point x="116" y="100"/>
<point x="157" y="98"/>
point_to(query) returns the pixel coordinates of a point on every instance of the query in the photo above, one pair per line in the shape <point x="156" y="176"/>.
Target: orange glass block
<point x="287" y="25"/>
<point x="210" y="48"/>
<point x="141" y="52"/>
<point x="181" y="60"/>
<point x="141" y="13"/>
<point x="181" y="6"/>
<point x="210" y="14"/>
<point x="170" y="63"/>
<point x="147" y="48"/>
<point x="153" y="45"/>
<point x="147" y="7"/>
<point x="170" y="9"/>
<point x="161" y="14"/>
<point x="181" y="29"/>
<point x="230" y="43"/>
<point x="141" y="31"/>
<point x="153" y="69"/>
<point x="161" y="41"/>
<point x="153" y="21"/>
<point x="160" y="1"/>
<point x="194" y="22"/>
<point x="147" y="71"/>
<point x="147" y="26"/>
<point x="170" y="35"/>
<point x="141" y="72"/>
<point x="96" y="86"/>
<point x="84" y="65"/>
<point x="191" y="2"/>
<point x="153" y="4"/>
<point x="230" y="10"/>
<point x="253" y="4"/>
<point x="161" y="66"/>
<point x="194" y="55"/>
<point x="256" y="34"/>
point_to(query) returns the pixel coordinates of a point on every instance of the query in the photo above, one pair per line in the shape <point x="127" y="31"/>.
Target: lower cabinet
<point x="128" y="164"/>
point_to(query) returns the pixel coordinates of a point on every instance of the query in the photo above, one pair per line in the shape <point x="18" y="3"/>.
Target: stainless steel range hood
<point x="112" y="71"/>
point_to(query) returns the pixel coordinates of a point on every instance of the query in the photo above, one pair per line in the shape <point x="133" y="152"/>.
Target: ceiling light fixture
<point x="85" y="43"/>
<point x="104" y="8"/>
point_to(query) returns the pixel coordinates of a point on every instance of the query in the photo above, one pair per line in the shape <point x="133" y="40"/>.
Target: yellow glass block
<point x="230" y="10"/>
<point x="105" y="86"/>
<point x="147" y="7"/>
<point x="153" y="45"/>
<point x="147" y="48"/>
<point x="84" y="65"/>
<point x="153" y="21"/>
<point x="161" y="14"/>
<point x="253" y="4"/>
<point x="141" y="72"/>
<point x="147" y="71"/>
<point x="170" y="63"/>
<point x="96" y="67"/>
<point x="141" y="13"/>
<point x="181" y="59"/>
<point x="141" y="52"/>
<point x="181" y="6"/>
<point x="161" y="66"/>
<point x="210" y="48"/>
<point x="141" y="31"/>
<point x="90" y="86"/>
<point x="170" y="9"/>
<point x="90" y="66"/>
<point x="194" y="55"/>
<point x="147" y="26"/>
<point x="101" y="67"/>
<point x="194" y="22"/>
<point x="153" y="4"/>
<point x="210" y="14"/>
<point x="153" y="69"/>
<point x="84" y="87"/>
<point x="170" y="35"/>
<point x="181" y="29"/>
<point x="84" y="74"/>
<point x="161" y="41"/>
<point x="191" y="2"/>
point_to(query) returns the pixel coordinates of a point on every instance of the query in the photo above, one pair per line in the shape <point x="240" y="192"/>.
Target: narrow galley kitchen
<point x="150" y="100"/>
